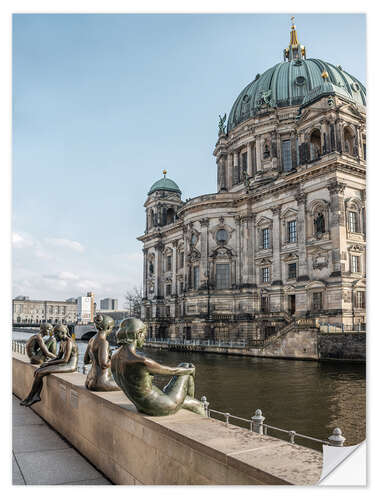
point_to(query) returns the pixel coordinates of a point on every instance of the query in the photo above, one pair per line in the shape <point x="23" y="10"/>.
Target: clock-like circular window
<point x="222" y="236"/>
<point x="300" y="80"/>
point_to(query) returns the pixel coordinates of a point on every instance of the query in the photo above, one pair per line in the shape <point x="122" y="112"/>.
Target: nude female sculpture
<point x="65" y="362"/>
<point x="38" y="350"/>
<point x="133" y="372"/>
<point x="97" y="353"/>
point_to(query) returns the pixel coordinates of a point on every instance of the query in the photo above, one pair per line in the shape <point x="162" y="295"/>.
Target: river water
<point x="306" y="396"/>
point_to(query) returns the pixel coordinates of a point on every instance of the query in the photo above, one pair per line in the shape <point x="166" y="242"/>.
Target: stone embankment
<point x="182" y="449"/>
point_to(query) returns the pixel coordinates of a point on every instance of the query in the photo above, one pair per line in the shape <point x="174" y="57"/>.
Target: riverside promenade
<point x="41" y="456"/>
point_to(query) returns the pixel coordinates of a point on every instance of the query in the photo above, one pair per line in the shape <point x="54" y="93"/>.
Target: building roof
<point x="164" y="184"/>
<point x="293" y="82"/>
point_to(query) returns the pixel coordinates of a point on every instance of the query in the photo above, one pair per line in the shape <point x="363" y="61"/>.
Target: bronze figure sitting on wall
<point x="65" y="362"/>
<point x="39" y="351"/>
<point x="97" y="354"/>
<point x="133" y="372"/>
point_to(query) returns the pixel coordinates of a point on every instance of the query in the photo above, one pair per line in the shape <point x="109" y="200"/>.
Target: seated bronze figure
<point x="65" y="362"/>
<point x="133" y="372"/>
<point x="38" y="350"/>
<point x="97" y="354"/>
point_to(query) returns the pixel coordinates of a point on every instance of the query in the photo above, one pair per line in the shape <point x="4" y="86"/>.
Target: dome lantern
<point x="295" y="50"/>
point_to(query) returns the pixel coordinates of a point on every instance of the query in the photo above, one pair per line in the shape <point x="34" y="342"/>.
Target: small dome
<point x="164" y="184"/>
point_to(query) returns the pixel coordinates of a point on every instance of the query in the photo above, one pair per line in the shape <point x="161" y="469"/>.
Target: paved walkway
<point x="41" y="456"/>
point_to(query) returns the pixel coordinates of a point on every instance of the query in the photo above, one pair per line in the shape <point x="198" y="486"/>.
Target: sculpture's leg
<point x="181" y="391"/>
<point x="36" y="389"/>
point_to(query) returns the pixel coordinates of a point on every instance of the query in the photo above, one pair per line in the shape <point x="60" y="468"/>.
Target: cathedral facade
<point x="284" y="236"/>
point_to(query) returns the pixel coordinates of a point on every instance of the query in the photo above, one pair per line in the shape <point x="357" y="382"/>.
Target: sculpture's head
<point x="46" y="329"/>
<point x="104" y="322"/>
<point x="131" y="329"/>
<point x="61" y="332"/>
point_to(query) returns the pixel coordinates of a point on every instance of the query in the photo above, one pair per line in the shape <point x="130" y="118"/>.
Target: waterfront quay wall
<point x="183" y="449"/>
<point x="303" y="344"/>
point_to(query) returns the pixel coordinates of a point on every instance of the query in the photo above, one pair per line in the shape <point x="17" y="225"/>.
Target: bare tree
<point x="133" y="300"/>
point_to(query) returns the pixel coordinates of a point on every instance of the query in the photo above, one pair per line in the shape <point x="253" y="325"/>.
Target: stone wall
<point x="183" y="449"/>
<point x="340" y="346"/>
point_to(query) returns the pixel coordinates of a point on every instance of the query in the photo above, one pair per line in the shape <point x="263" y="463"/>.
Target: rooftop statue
<point x="134" y="372"/>
<point x="65" y="362"/>
<point x="38" y="350"/>
<point x="97" y="354"/>
<point x="222" y="120"/>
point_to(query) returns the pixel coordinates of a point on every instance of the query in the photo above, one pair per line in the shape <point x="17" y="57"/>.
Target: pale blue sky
<point x="103" y="102"/>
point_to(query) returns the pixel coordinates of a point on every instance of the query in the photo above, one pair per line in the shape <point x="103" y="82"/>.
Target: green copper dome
<point x="164" y="184"/>
<point x="295" y="82"/>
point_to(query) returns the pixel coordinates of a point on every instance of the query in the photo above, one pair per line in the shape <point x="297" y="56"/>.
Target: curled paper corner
<point x="344" y="466"/>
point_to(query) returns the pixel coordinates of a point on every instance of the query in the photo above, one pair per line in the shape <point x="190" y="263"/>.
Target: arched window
<point x="152" y="218"/>
<point x="319" y="223"/>
<point x="170" y="216"/>
<point x="315" y="145"/>
<point x="348" y="140"/>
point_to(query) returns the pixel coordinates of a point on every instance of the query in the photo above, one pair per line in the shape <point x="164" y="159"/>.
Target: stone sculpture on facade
<point x="222" y="120"/>
<point x="97" y="354"/>
<point x="39" y="351"/>
<point x="134" y="372"/>
<point x="65" y="362"/>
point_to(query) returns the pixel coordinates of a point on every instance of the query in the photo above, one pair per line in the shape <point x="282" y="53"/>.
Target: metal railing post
<point x="336" y="439"/>
<point x="258" y="420"/>
<point x="292" y="435"/>
<point x="227" y="415"/>
<point x="205" y="405"/>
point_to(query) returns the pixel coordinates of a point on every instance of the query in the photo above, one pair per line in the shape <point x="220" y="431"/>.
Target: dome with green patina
<point x="295" y="82"/>
<point x="164" y="184"/>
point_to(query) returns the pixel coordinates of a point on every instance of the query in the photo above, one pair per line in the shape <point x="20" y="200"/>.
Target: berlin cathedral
<point x="283" y="238"/>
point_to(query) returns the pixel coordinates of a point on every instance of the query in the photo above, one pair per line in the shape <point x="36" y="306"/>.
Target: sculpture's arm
<point x="103" y="358"/>
<point x="154" y="368"/>
<point x="44" y="349"/>
<point x="86" y="358"/>
<point x="63" y="357"/>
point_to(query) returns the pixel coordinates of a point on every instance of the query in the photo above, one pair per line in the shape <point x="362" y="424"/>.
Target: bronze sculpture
<point x="133" y="372"/>
<point x="65" y="362"/>
<point x="97" y="353"/>
<point x="38" y="350"/>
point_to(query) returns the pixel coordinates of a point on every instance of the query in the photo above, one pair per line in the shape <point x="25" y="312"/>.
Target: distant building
<point x="43" y="311"/>
<point x="109" y="304"/>
<point x="85" y="309"/>
<point x="117" y="315"/>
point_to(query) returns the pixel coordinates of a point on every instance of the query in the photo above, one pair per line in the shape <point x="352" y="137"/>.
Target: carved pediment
<point x="194" y="255"/>
<point x="290" y="257"/>
<point x="289" y="212"/>
<point x="264" y="221"/>
<point x="356" y="248"/>
<point x="264" y="262"/>
<point x="311" y="285"/>
<point x="222" y="252"/>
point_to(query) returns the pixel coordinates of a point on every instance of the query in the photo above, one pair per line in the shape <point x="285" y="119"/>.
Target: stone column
<point x="204" y="271"/>
<point x="249" y="165"/>
<point x="145" y="272"/>
<point x="158" y="268"/>
<point x="174" y="268"/>
<point x="236" y="172"/>
<point x="185" y="277"/>
<point x="245" y="257"/>
<point x="229" y="171"/>
<point x="337" y="224"/>
<point x="238" y="249"/>
<point x="251" y="249"/>
<point x="258" y="153"/>
<point x="276" y="241"/>
<point x="301" y="236"/>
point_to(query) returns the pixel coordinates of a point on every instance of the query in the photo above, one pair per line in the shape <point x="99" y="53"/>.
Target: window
<point x="292" y="231"/>
<point x="193" y="239"/>
<point x="292" y="271"/>
<point x="266" y="238"/>
<point x="354" y="263"/>
<point x="222" y="276"/>
<point x="353" y="222"/>
<point x="360" y="300"/>
<point x="181" y="286"/>
<point x="265" y="274"/>
<point x="287" y="156"/>
<point x="182" y="259"/>
<point x="196" y="277"/>
<point x="315" y="145"/>
<point x="264" y="304"/>
<point x="243" y="165"/>
<point x="222" y="236"/>
<point x="169" y="262"/>
<point x="253" y="160"/>
<point x="317" y="301"/>
<point x="167" y="311"/>
<point x="168" y="290"/>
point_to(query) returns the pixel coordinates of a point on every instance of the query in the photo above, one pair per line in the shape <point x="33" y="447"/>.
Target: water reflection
<point x="306" y="396"/>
